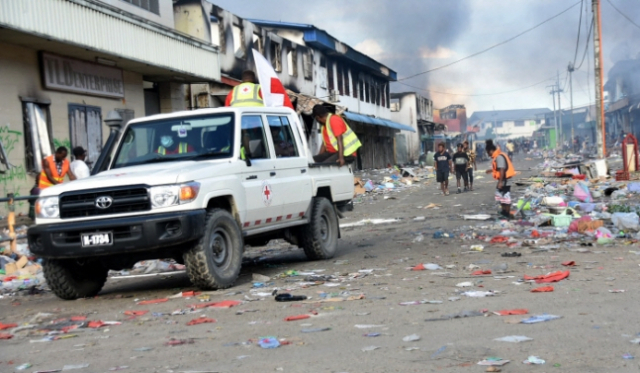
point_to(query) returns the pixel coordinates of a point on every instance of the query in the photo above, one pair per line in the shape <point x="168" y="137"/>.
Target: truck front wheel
<point x="71" y="279"/>
<point x="319" y="238"/>
<point x="214" y="261"/>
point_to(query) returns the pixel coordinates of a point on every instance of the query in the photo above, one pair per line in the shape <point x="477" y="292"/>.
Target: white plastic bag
<point x="626" y="221"/>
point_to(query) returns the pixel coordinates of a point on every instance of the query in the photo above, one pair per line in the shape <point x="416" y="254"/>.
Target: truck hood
<point x="150" y="174"/>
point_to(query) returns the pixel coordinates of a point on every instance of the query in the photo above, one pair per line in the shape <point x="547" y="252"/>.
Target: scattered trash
<point x="296" y="317"/>
<point x="479" y="294"/>
<point x="285" y="297"/>
<point x="514" y="339"/>
<point x="370" y="348"/>
<point x="411" y="338"/>
<point x="627" y="356"/>
<point x="511" y="312"/>
<point x="315" y="330"/>
<point x="540" y="318"/>
<point x="268" y="342"/>
<point x="201" y="320"/>
<point x="77" y="366"/>
<point x="533" y="360"/>
<point x="493" y="361"/>
<point x="542" y="289"/>
<point x="427" y="266"/>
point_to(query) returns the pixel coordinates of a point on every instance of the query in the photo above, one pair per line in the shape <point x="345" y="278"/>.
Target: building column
<point x="172" y="97"/>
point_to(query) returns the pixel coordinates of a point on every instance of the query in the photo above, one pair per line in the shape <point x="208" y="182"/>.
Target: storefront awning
<point x="377" y="121"/>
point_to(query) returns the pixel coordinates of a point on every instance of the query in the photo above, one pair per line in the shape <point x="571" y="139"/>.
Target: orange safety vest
<point x="43" y="180"/>
<point x="509" y="173"/>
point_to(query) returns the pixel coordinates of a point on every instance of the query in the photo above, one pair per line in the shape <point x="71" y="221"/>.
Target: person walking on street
<point x="472" y="163"/>
<point x="510" y="149"/>
<point x="502" y="170"/>
<point x="461" y="161"/>
<point x="79" y="167"/>
<point x="54" y="169"/>
<point x="442" y="164"/>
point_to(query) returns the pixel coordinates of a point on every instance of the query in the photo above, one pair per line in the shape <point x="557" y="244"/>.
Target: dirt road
<point x="364" y="335"/>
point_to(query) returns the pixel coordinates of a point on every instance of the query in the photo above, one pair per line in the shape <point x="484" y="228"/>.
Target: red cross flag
<point x="273" y="92"/>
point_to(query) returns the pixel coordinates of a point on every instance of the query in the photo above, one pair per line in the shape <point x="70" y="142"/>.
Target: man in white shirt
<point x="78" y="167"/>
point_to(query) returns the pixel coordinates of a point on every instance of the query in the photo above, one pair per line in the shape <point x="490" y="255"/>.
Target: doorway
<point x="85" y="129"/>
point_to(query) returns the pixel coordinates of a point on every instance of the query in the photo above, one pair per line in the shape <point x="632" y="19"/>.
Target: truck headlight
<point x="47" y="207"/>
<point x="171" y="195"/>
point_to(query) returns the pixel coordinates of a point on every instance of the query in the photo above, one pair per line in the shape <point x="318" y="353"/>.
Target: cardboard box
<point x="23" y="261"/>
<point x="10" y="268"/>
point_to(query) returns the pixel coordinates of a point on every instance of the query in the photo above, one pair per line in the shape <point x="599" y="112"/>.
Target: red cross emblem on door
<point x="267" y="193"/>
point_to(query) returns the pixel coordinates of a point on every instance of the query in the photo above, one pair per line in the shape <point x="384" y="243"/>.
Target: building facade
<point x="509" y="124"/>
<point x="61" y="78"/>
<point x="416" y="111"/>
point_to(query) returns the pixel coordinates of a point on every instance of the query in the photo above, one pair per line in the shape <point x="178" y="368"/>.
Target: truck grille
<point x="124" y="200"/>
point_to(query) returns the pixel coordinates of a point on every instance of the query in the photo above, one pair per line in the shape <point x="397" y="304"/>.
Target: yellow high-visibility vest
<point x="350" y="141"/>
<point x="246" y="94"/>
<point x="183" y="147"/>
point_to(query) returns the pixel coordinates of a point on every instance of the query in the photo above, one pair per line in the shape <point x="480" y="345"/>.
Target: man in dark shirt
<point x="461" y="161"/>
<point x="443" y="164"/>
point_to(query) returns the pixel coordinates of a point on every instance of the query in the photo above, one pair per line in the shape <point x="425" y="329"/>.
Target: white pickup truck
<point x="195" y="186"/>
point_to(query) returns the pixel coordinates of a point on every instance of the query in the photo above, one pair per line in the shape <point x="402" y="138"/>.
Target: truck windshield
<point x="196" y="137"/>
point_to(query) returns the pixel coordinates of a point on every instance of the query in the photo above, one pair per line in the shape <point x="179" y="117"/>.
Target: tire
<point x="319" y="238"/>
<point x="214" y="261"/>
<point x="71" y="280"/>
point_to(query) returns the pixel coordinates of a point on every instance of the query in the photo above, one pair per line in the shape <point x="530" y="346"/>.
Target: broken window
<point x="322" y="73"/>
<point x="347" y="90"/>
<point x="367" y="90"/>
<point x="257" y="43"/>
<point x="330" y="76"/>
<point x="354" y="84"/>
<point x="37" y="135"/>
<point x="238" y="42"/>
<point x="275" y="54"/>
<point x="215" y="30"/>
<point x="307" y="65"/>
<point x="361" y="86"/>
<point x="292" y="62"/>
<point x="339" y="72"/>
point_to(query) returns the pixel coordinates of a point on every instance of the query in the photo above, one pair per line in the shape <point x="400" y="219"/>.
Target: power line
<point x="493" y="46"/>
<point x="575" y="55"/>
<point x="586" y="47"/>
<point x="479" y="94"/>
<point x="624" y="15"/>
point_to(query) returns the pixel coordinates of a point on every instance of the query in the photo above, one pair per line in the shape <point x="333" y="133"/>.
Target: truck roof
<point x="238" y="110"/>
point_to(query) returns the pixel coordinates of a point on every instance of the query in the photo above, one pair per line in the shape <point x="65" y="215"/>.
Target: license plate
<point x="96" y="239"/>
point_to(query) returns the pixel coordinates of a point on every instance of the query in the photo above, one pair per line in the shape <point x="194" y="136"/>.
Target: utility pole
<point x="555" y="118"/>
<point x="560" y="109"/>
<point x="597" y="48"/>
<point x="571" y="69"/>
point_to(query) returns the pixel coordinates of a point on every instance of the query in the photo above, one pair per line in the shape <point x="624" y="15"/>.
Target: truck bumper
<point x="130" y="234"/>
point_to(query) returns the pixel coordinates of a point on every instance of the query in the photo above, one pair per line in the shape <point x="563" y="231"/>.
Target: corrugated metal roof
<point x="508" y="115"/>
<point x="100" y="28"/>
<point x="377" y="121"/>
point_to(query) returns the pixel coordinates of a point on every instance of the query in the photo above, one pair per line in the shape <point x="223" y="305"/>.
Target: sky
<point x="413" y="36"/>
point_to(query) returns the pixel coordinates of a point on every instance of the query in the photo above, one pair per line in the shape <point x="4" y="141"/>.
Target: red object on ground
<point x="543" y="289"/>
<point x="135" y="313"/>
<point x="535" y="234"/>
<point x="95" y="324"/>
<point x="551" y="277"/>
<point x="153" y="301"/>
<point x="6" y="336"/>
<point x="570" y="263"/>
<point x="297" y="317"/>
<point x="201" y="320"/>
<point x="223" y="304"/>
<point x="513" y="312"/>
<point x="499" y="239"/>
<point x="419" y="267"/>
<point x="7" y="326"/>
<point x="579" y="177"/>
<point x="78" y="318"/>
<point x="186" y="294"/>
<point x="482" y="272"/>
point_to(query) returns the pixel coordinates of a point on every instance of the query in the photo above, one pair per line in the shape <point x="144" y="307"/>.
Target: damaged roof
<point x="507" y="115"/>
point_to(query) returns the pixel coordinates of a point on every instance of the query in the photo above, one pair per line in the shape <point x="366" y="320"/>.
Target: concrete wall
<point x="21" y="78"/>
<point x="408" y="115"/>
<point x="166" y="11"/>
<point x="510" y="130"/>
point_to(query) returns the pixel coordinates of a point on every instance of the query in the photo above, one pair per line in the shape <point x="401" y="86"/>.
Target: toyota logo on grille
<point x="104" y="202"/>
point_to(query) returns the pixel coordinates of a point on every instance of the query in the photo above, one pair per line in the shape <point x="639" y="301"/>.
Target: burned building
<point x="622" y="100"/>
<point x="416" y="111"/>
<point x="312" y="64"/>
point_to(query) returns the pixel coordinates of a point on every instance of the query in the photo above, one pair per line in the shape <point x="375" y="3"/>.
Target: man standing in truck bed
<point x="339" y="142"/>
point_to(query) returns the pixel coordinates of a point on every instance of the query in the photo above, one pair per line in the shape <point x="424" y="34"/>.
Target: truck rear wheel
<point x="70" y="279"/>
<point x="319" y="238"/>
<point x="214" y="261"/>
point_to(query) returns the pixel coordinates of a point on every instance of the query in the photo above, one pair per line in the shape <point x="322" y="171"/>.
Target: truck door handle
<point x="252" y="177"/>
<point x="272" y="173"/>
<point x="304" y="170"/>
